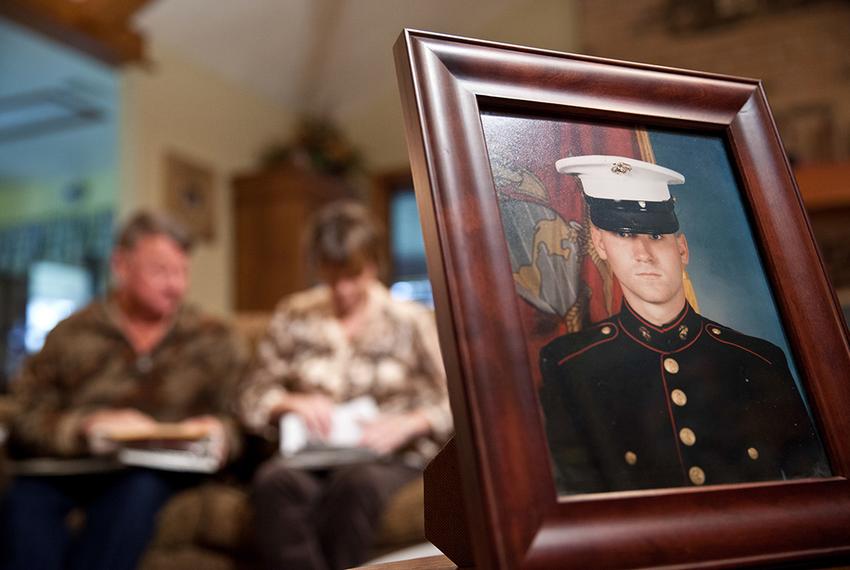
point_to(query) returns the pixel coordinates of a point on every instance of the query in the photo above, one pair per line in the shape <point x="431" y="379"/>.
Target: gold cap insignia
<point x="621" y="168"/>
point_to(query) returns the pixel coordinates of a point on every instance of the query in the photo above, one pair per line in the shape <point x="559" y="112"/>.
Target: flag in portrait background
<point x="563" y="283"/>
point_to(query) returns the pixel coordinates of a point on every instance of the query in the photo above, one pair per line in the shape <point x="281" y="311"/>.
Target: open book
<point x="301" y="450"/>
<point x="170" y="447"/>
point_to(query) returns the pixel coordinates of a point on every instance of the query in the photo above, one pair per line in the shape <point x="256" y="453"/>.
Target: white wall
<point x="174" y="106"/>
<point x="376" y="125"/>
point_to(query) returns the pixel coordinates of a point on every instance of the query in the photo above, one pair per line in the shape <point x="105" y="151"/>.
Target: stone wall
<point x="799" y="48"/>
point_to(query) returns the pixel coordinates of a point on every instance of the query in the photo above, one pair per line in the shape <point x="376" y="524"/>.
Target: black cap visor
<point x="633" y="216"/>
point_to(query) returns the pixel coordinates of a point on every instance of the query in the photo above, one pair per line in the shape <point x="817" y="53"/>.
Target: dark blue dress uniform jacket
<point x="629" y="405"/>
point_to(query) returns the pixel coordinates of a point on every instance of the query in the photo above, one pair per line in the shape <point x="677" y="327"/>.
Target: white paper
<point x="346" y="429"/>
<point x="169" y="460"/>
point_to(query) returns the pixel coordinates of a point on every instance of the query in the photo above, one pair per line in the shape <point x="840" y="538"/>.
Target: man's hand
<point x="315" y="409"/>
<point x="99" y="427"/>
<point x="389" y="432"/>
<point x="216" y="435"/>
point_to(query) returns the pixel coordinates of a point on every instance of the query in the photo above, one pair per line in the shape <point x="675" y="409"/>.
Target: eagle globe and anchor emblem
<point x="545" y="249"/>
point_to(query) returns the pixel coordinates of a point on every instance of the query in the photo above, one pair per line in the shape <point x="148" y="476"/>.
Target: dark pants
<point x="322" y="521"/>
<point x="120" y="512"/>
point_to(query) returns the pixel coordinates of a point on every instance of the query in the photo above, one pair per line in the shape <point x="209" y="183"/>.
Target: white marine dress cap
<point x="625" y="194"/>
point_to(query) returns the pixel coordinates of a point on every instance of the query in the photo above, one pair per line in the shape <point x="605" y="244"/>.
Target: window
<point x="55" y="291"/>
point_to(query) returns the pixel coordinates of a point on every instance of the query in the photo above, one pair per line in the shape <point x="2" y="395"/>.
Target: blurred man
<point x="130" y="363"/>
<point x="658" y="395"/>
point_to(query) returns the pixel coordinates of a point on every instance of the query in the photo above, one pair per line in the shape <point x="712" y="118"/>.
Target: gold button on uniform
<point x="606" y="330"/>
<point x="679" y="397"/>
<point x="696" y="475"/>
<point x="671" y="366"/>
<point x="753" y="453"/>
<point x="631" y="457"/>
<point x="687" y="436"/>
<point x="714" y="330"/>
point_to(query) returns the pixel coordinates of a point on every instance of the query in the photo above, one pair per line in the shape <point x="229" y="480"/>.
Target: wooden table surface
<point x="438" y="562"/>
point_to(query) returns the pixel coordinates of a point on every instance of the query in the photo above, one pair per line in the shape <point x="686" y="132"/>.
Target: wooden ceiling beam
<point x="100" y="28"/>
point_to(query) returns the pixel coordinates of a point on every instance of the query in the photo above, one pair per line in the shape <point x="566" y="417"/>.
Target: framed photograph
<point x="646" y="362"/>
<point x="190" y="195"/>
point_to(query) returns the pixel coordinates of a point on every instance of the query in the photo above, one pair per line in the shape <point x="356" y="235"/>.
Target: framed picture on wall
<point x="190" y="195"/>
<point x="639" y="335"/>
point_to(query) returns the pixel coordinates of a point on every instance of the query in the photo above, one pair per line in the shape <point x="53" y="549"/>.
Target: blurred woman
<point x="343" y="339"/>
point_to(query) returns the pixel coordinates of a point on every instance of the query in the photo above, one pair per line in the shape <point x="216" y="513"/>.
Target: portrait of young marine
<point x="659" y="395"/>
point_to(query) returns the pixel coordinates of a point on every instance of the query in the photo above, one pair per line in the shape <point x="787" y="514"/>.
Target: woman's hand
<point x="389" y="432"/>
<point x="315" y="409"/>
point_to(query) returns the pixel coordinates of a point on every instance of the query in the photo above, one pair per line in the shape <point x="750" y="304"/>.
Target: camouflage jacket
<point x="88" y="364"/>
<point x="396" y="360"/>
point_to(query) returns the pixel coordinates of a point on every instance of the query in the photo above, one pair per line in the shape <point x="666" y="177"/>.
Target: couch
<point x="209" y="527"/>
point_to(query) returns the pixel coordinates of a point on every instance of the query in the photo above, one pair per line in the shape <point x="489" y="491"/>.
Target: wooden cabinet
<point x="271" y="210"/>
<point x="825" y="188"/>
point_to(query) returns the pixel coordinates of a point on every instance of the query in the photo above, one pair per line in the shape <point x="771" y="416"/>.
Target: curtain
<point x="82" y="241"/>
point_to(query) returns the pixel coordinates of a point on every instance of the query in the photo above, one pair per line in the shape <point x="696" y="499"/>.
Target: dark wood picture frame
<point x="513" y="517"/>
